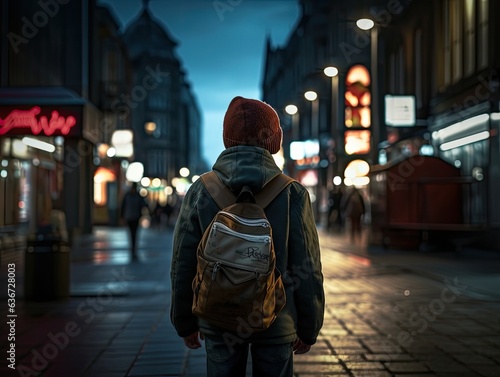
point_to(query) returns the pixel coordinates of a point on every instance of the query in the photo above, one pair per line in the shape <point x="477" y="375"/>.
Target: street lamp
<point x="292" y="110"/>
<point x="367" y="24"/>
<point x="312" y="96"/>
<point x="333" y="72"/>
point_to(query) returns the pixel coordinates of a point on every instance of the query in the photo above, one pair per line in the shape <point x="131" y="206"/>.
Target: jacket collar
<point x="245" y="165"/>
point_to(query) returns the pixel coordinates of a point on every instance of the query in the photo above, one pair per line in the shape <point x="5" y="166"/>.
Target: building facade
<point x="431" y="89"/>
<point x="165" y="115"/>
<point x="73" y="89"/>
<point x="49" y="110"/>
<point x="332" y="130"/>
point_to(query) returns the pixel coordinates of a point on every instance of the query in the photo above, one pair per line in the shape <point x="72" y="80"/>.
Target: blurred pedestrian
<point x="168" y="211"/>
<point x="252" y="133"/>
<point x="156" y="216"/>
<point x="131" y="211"/>
<point x="334" y="200"/>
<point x="353" y="209"/>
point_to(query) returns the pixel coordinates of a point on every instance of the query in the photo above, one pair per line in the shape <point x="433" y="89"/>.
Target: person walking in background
<point x="252" y="133"/>
<point x="168" y="211"/>
<point x="334" y="200"/>
<point x="131" y="211"/>
<point x="353" y="208"/>
<point x="156" y="216"/>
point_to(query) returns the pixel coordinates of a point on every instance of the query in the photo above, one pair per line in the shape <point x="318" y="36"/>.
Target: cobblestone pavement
<point x="389" y="313"/>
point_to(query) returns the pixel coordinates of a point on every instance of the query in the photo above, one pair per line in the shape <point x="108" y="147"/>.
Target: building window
<point x="418" y="68"/>
<point x="483" y="33"/>
<point x="358" y="98"/>
<point x="456" y="35"/>
<point x="157" y="163"/>
<point x="392" y="73"/>
<point x="401" y="71"/>
<point x="469" y="37"/>
<point x="157" y="100"/>
<point x="446" y="44"/>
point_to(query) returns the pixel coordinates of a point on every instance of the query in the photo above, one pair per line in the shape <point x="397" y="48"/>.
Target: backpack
<point x="237" y="284"/>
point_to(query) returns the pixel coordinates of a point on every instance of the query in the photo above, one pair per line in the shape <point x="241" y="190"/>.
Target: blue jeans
<point x="230" y="360"/>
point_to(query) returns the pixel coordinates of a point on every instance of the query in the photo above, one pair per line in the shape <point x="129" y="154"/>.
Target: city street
<point x="389" y="313"/>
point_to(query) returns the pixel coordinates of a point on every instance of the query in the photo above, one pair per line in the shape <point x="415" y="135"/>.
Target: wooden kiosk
<point x="418" y="201"/>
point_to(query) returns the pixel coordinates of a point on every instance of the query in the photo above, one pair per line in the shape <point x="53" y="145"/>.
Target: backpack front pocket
<point x="244" y="251"/>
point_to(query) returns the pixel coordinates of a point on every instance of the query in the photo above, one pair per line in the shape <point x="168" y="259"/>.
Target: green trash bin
<point x="47" y="268"/>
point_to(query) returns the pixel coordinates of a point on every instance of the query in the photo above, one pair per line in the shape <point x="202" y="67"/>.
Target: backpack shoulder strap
<point x="219" y="192"/>
<point x="271" y="190"/>
<point x="224" y="197"/>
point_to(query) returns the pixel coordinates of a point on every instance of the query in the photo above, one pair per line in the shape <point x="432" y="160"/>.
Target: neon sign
<point x="28" y="119"/>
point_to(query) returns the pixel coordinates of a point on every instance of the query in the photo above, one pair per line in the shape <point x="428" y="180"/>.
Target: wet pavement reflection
<point x="389" y="313"/>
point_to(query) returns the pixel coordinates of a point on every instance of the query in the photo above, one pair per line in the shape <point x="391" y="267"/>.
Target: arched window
<point x="358" y="116"/>
<point x="358" y="98"/>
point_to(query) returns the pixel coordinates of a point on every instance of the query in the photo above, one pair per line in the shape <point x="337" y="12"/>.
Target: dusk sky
<point x="221" y="47"/>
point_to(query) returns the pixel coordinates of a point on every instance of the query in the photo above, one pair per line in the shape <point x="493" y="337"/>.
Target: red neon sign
<point x="27" y="119"/>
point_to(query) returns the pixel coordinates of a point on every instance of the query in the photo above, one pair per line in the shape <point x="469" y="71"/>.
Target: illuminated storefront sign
<point x="357" y="142"/>
<point x="29" y="121"/>
<point x="400" y="111"/>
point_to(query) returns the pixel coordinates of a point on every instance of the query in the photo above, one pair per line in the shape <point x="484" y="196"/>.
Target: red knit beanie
<point x="252" y="122"/>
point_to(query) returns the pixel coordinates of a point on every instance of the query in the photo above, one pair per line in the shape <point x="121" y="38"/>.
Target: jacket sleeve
<point x="305" y="268"/>
<point x="187" y="235"/>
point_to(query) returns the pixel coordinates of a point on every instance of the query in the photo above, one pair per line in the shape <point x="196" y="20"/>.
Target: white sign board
<point x="304" y="149"/>
<point x="400" y="111"/>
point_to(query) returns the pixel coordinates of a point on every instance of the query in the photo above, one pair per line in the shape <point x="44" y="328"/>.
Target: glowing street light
<point x="291" y="109"/>
<point x="331" y="71"/>
<point x="310" y="95"/>
<point x="365" y="23"/>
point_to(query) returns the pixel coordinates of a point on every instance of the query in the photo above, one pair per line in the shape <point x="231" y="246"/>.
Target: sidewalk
<point x="479" y="269"/>
<point x="116" y="322"/>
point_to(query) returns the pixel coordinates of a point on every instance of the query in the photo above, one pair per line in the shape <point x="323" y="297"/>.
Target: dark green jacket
<point x="295" y="241"/>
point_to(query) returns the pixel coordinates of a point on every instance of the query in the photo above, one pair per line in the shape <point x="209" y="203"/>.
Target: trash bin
<point x="47" y="264"/>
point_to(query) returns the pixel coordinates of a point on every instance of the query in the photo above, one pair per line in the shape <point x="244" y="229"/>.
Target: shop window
<point x="101" y="178"/>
